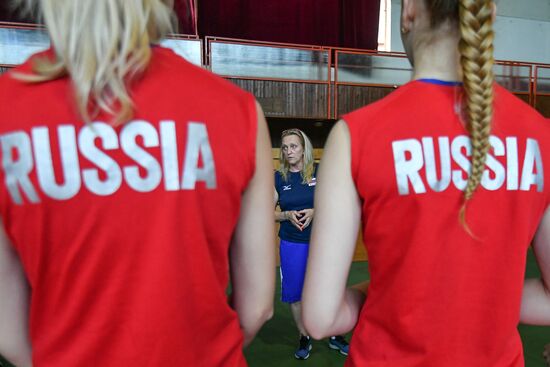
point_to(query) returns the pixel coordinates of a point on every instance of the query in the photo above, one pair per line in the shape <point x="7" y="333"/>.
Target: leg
<point x="293" y="268"/>
<point x="296" y="309"/>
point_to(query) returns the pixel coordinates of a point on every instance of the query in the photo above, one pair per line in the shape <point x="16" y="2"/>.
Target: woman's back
<point x="438" y="295"/>
<point x="124" y="231"/>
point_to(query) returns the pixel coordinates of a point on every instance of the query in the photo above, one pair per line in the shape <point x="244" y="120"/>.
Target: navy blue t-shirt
<point x="294" y="195"/>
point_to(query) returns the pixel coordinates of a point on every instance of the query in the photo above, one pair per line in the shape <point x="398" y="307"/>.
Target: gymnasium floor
<point x="274" y="345"/>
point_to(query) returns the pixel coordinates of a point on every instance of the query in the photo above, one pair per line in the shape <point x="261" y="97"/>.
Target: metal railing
<point x="333" y="71"/>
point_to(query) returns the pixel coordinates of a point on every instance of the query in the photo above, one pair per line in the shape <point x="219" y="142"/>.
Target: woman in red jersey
<point x="447" y="176"/>
<point x="125" y="214"/>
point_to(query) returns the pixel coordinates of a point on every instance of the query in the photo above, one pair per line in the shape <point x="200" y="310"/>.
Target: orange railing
<point x="334" y="69"/>
<point x="541" y="89"/>
<point x="269" y="61"/>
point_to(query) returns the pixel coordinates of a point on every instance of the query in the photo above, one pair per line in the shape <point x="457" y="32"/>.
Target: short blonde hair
<point x="102" y="45"/>
<point x="308" y="168"/>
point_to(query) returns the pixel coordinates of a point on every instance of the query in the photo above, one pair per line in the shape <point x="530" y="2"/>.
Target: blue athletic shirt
<point x="294" y="195"/>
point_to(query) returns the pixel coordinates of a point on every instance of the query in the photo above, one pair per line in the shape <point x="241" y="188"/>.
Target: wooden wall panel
<point x="360" y="251"/>
<point x="288" y="99"/>
<point x="351" y="97"/>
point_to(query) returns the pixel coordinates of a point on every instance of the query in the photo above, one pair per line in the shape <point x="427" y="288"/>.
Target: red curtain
<point x="340" y="23"/>
<point x="185" y="9"/>
<point x="359" y="21"/>
<point x="343" y="23"/>
<point x="187" y="16"/>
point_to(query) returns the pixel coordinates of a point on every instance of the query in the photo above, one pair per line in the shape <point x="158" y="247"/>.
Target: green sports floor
<point x="275" y="343"/>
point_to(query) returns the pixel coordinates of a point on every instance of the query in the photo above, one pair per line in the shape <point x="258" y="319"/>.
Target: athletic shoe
<point x="339" y="343"/>
<point x="305" y="346"/>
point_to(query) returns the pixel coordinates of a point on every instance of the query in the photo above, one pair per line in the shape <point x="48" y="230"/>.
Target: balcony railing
<point x="299" y="81"/>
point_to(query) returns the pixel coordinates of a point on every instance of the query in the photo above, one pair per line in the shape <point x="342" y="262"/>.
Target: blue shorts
<point x="293" y="270"/>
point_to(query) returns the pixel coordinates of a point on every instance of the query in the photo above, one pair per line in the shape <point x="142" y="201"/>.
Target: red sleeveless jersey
<point x="124" y="231"/>
<point x="439" y="297"/>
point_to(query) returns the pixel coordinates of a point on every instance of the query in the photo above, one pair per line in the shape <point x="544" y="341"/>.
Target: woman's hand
<point x="294" y="217"/>
<point x="306" y="216"/>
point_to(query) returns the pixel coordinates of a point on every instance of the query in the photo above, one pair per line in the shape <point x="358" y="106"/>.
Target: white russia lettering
<point x="411" y="155"/>
<point x="18" y="160"/>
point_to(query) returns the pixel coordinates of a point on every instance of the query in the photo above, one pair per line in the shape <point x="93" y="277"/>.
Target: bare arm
<point x="535" y="302"/>
<point x="280" y="216"/>
<point x="252" y="253"/>
<point x="14" y="305"/>
<point x="329" y="308"/>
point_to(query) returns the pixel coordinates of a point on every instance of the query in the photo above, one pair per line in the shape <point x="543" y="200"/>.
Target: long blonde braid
<point x="476" y="50"/>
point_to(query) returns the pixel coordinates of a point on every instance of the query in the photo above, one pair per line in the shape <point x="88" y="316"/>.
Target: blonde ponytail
<point x="103" y="45"/>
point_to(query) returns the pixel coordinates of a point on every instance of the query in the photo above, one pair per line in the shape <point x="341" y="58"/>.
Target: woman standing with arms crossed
<point x="294" y="191"/>
<point x="132" y="215"/>
<point x="447" y="175"/>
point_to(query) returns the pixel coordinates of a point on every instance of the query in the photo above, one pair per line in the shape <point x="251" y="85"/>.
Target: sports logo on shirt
<point x="23" y="154"/>
<point x="412" y="156"/>
<point x="287" y="187"/>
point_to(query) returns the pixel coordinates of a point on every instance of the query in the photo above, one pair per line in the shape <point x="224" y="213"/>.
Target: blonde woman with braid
<point x="124" y="213"/>
<point x="295" y="182"/>
<point x="447" y="177"/>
